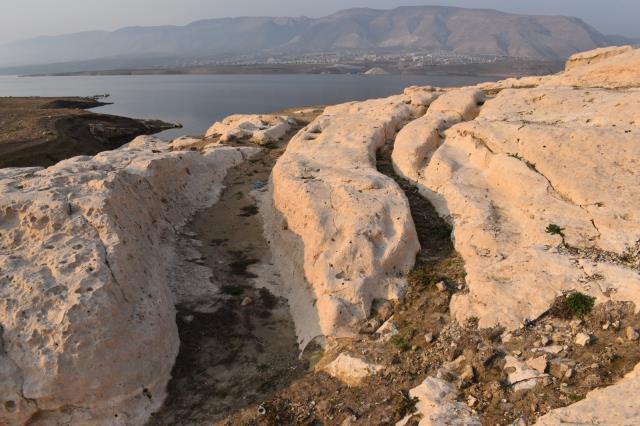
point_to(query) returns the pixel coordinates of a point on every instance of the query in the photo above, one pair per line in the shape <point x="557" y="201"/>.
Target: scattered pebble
<point x="428" y="337"/>
<point x="583" y="339"/>
<point x="441" y="286"/>
<point x="539" y="364"/>
<point x="246" y="301"/>
<point x="632" y="334"/>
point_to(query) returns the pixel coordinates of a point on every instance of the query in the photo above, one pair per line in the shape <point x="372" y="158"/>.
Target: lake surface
<point x="197" y="101"/>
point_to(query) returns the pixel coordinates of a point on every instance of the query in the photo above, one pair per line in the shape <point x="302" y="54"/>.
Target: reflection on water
<point x="197" y="101"/>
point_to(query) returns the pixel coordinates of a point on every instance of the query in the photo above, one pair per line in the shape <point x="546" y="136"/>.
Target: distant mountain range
<point x="405" y="29"/>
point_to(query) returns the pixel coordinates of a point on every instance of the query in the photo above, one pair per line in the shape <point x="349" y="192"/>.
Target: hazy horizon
<point x="31" y="19"/>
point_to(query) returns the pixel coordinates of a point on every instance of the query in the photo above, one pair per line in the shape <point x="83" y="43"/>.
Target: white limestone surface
<point x="341" y="232"/>
<point x="87" y="319"/>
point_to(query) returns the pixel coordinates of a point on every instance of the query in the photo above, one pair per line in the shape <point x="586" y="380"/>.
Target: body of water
<point x="197" y="101"/>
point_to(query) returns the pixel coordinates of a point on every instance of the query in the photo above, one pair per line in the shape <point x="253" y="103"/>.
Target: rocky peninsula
<point x="442" y="256"/>
<point x="40" y="131"/>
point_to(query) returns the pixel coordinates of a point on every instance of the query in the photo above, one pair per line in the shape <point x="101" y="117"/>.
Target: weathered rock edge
<point x="88" y="321"/>
<point x="341" y="232"/>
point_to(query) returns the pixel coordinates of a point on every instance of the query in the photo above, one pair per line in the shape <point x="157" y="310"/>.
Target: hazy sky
<point x="29" y="18"/>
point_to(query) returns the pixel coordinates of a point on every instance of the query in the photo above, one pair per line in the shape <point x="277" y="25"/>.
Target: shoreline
<point x="41" y="131"/>
<point x="497" y="69"/>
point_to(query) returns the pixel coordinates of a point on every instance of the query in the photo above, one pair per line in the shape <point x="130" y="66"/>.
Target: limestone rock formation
<point x="540" y="184"/>
<point x="341" y="232"/>
<point x="552" y="159"/>
<point x="261" y="129"/>
<point x="87" y="319"/>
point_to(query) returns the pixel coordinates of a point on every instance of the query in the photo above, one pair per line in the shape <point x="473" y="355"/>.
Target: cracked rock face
<point x="83" y="278"/>
<point x="341" y="232"/>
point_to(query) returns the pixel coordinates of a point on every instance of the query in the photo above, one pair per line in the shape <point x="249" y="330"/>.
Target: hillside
<point x="404" y="29"/>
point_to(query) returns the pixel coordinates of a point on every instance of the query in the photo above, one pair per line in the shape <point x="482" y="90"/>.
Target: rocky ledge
<point x="88" y="321"/>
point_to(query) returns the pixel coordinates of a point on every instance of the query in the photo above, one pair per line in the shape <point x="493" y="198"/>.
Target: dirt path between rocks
<point x="238" y="344"/>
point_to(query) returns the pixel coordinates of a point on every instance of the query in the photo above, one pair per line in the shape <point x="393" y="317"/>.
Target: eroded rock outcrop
<point x="88" y="332"/>
<point x="261" y="129"/>
<point x="542" y="191"/>
<point x="536" y="158"/>
<point x="341" y="232"/>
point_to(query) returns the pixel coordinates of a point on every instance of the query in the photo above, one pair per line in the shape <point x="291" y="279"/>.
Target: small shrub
<point x="407" y="405"/>
<point x="579" y="304"/>
<point x="554" y="229"/>
<point x="574" y="397"/>
<point x="441" y="231"/>
<point x="422" y="277"/>
<point x="263" y="368"/>
<point x="232" y="290"/>
<point x="400" y="343"/>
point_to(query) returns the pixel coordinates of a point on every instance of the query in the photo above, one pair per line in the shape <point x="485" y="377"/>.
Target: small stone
<point x="188" y="318"/>
<point x="246" y="301"/>
<point x="371" y="326"/>
<point x="632" y="334"/>
<point x="548" y="328"/>
<point x="544" y="341"/>
<point x="441" y="286"/>
<point x="606" y="325"/>
<point x="554" y="349"/>
<point x="467" y="373"/>
<point x="507" y="337"/>
<point x="582" y="339"/>
<point x="387" y="330"/>
<point x="428" y="337"/>
<point x="616" y="325"/>
<point x="561" y="368"/>
<point x="539" y="364"/>
<point x="471" y="401"/>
